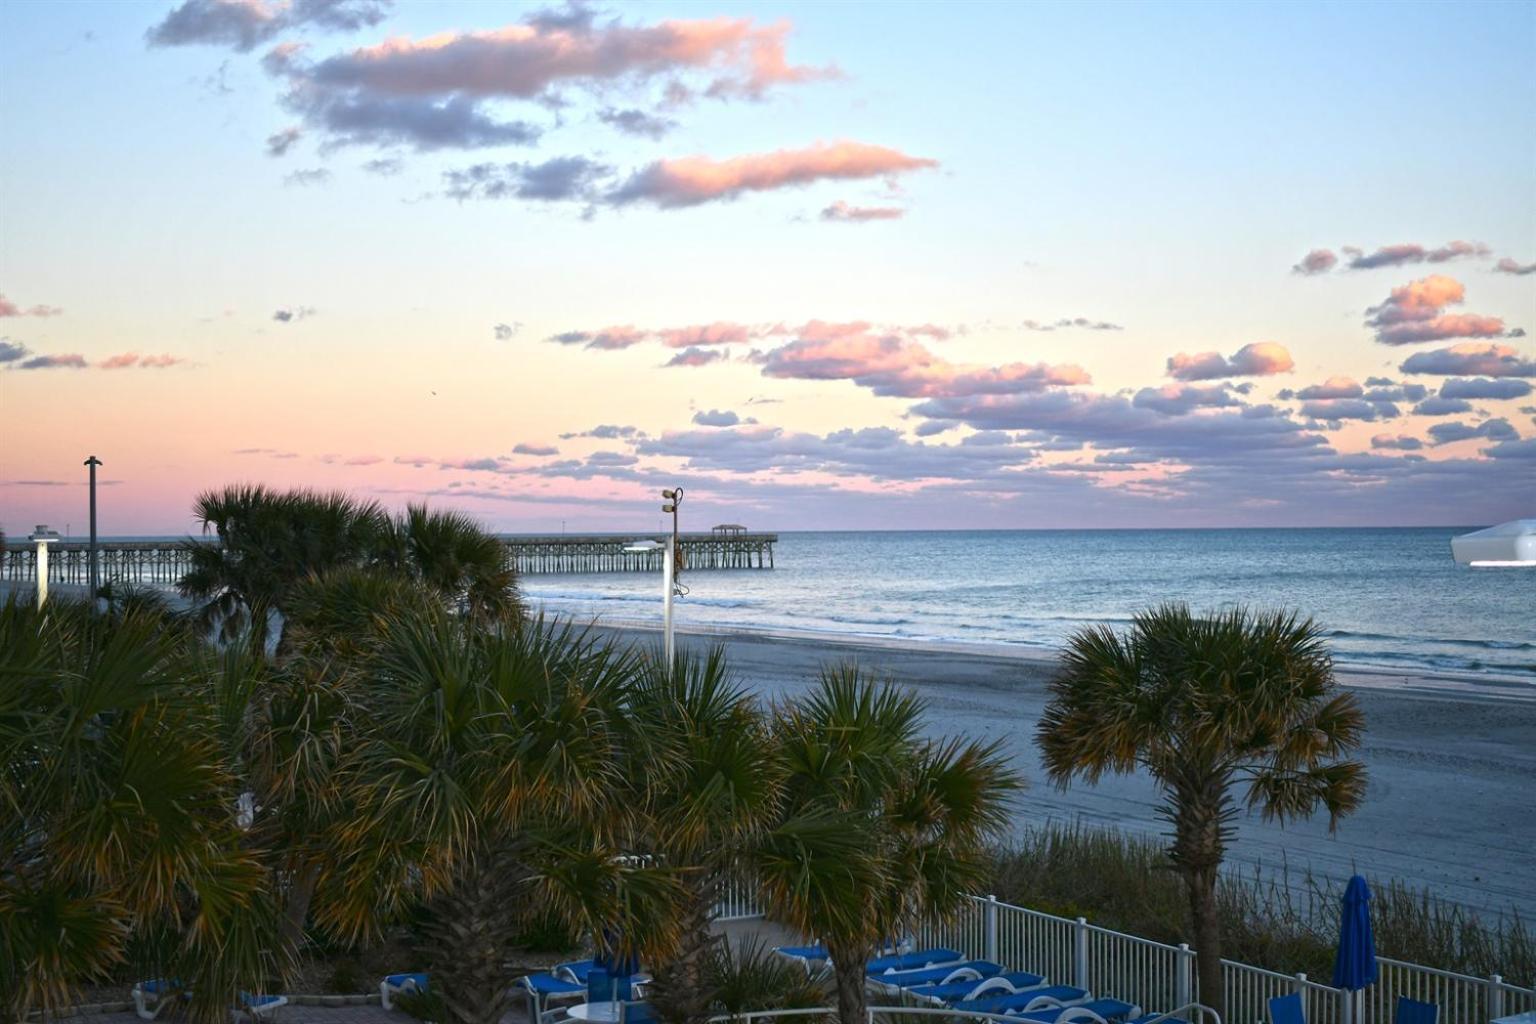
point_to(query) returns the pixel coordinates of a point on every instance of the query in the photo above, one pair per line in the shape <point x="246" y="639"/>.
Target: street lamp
<point x="42" y="537"/>
<point x="669" y="569"/>
<point x="1503" y="546"/>
<point x="93" y="462"/>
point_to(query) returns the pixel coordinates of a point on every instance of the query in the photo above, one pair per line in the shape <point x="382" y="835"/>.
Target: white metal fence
<point x="1158" y="976"/>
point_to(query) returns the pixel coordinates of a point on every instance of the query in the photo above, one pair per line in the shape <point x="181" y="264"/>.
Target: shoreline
<point x="1446" y="682"/>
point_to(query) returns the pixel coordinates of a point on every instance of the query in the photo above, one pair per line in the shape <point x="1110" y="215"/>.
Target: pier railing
<point x="164" y="562"/>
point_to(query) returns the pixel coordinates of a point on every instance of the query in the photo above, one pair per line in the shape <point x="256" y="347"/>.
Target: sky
<point x="825" y="266"/>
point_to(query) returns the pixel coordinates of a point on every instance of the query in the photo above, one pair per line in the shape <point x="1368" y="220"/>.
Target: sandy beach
<point x="1452" y="762"/>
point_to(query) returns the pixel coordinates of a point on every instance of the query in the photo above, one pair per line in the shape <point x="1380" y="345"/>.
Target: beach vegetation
<point x="1224" y="711"/>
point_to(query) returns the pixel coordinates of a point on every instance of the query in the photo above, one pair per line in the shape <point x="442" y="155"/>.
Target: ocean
<point x="1389" y="598"/>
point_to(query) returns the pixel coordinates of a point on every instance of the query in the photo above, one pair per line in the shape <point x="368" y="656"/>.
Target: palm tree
<point x="118" y="837"/>
<point x="1208" y="706"/>
<point x="708" y="782"/>
<point x="271" y="543"/>
<point x="491" y="776"/>
<point x="883" y="830"/>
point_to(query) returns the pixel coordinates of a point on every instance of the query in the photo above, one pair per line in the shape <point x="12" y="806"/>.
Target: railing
<point x="1248" y="991"/>
<point x="1191" y="1012"/>
<point x="1156" y="975"/>
<point x="737" y="900"/>
<point x="1072" y="952"/>
<point x="1459" y="996"/>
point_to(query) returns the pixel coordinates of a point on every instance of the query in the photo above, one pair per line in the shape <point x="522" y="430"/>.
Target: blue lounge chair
<point x="259" y="1008"/>
<point x="803" y="953"/>
<point x="637" y="1013"/>
<point x="1043" y="998"/>
<point x="914" y="961"/>
<point x="546" y="988"/>
<point x="1411" y="1011"/>
<point x="1287" y="1010"/>
<point x="968" y="970"/>
<point x="1157" y="1018"/>
<point x="1096" y="1011"/>
<point x="394" y="984"/>
<point x="998" y="984"/>
<point x="576" y="970"/>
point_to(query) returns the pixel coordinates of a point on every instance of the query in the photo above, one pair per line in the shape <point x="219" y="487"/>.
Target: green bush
<point x="753" y="977"/>
<point x="1284" y="921"/>
<point x="424" y="1006"/>
<point x="347" y="978"/>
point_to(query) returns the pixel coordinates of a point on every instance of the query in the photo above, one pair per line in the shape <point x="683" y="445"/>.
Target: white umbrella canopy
<point x="1508" y="544"/>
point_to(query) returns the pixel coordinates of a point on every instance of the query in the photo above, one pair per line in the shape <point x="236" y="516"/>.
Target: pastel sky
<point x="831" y="265"/>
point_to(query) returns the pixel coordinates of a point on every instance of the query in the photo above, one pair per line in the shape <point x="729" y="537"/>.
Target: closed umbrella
<point x="1354" y="967"/>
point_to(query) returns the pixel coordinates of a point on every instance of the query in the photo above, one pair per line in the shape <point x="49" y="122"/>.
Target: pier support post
<point x="668" y="560"/>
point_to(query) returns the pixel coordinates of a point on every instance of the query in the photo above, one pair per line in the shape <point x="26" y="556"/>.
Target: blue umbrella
<point x="1355" y="965"/>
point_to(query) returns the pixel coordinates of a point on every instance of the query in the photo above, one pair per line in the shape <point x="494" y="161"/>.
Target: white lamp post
<point x="42" y="537"/>
<point x="674" y="498"/>
<point x="1506" y="545"/>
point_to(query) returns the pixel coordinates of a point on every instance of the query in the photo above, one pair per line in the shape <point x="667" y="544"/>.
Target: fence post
<point x="1495" y="996"/>
<point x="1301" y="990"/>
<point x="1181" y="977"/>
<point x="1080" y="954"/>
<point x="989" y="924"/>
<point x="1346" y="1006"/>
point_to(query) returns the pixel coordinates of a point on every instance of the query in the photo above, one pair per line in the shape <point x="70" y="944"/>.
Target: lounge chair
<point x="148" y="996"/>
<point x="1097" y="1011"/>
<point x="805" y="954"/>
<point x="914" y="961"/>
<point x="636" y="1012"/>
<point x="394" y="984"/>
<point x="998" y="984"/>
<point x="968" y="970"/>
<point x="1045" y="997"/>
<point x="1287" y="1009"/>
<point x="259" y="1008"/>
<point x="545" y="988"/>
<point x="1157" y="1018"/>
<point x="1411" y="1011"/>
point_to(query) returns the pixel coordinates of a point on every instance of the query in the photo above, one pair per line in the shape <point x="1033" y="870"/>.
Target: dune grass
<point x="1284" y="920"/>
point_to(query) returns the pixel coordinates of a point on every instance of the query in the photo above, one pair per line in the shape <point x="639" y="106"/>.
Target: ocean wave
<point x="1491" y="645"/>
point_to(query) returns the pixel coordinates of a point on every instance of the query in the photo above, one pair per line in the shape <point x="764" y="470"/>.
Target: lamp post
<point x="93" y="462"/>
<point x="674" y="498"/>
<point x="42" y="537"/>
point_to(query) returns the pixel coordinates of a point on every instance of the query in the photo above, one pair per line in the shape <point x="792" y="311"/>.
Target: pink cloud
<point x="689" y="181"/>
<point x="1508" y="265"/>
<point x="9" y="308"/>
<point x="718" y="333"/>
<point x="841" y="211"/>
<point x="1259" y="359"/>
<point x="894" y="366"/>
<point x="130" y="359"/>
<point x="1415" y="312"/>
<point x="525" y="60"/>
<point x="1318" y="261"/>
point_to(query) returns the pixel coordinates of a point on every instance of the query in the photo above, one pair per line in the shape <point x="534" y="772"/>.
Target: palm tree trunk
<point x="471" y="926"/>
<point x="848" y="971"/>
<point x="1201" y="809"/>
<point x="1201" y="887"/>
<point x="296" y="910"/>
<point x="681" y="992"/>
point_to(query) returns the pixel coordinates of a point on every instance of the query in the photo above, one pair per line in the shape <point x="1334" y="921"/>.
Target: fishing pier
<point x="163" y="562"/>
